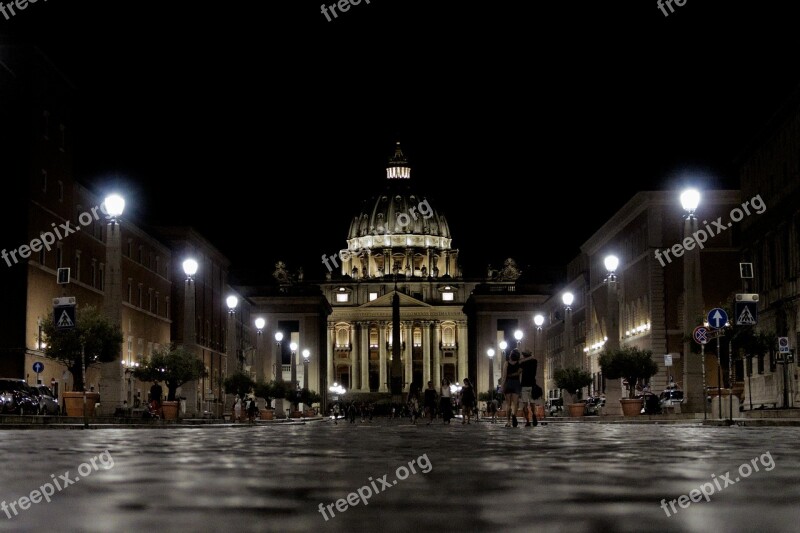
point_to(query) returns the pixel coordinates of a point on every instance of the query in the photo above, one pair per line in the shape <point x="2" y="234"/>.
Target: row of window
<point x="150" y="300"/>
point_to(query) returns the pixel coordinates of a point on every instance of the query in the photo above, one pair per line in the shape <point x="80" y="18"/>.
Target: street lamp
<point x="293" y="348"/>
<point x="611" y="263"/>
<point x="279" y="359"/>
<point x="690" y="199"/>
<point x="490" y="353"/>
<point x="232" y="301"/>
<point x="190" y="267"/>
<point x="114" y="205"/>
<point x="693" y="306"/>
<point x="612" y="388"/>
<point x="567" y="298"/>
<point x="306" y="356"/>
<point x="518" y="336"/>
<point x="259" y="323"/>
<point x="279" y="373"/>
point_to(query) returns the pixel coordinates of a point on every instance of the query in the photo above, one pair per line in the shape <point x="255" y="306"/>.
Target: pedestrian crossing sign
<point x="746" y="313"/>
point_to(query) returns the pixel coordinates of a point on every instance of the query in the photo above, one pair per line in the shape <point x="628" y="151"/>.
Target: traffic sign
<point x="701" y="335"/>
<point x="746" y="270"/>
<point x="64" y="313"/>
<point x="668" y="359"/>
<point x="717" y="318"/>
<point x="38" y="367"/>
<point x="746" y="312"/>
<point x="783" y="344"/>
<point x="62" y="276"/>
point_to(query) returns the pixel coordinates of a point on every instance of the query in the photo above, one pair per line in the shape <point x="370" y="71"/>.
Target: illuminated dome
<point x="398" y="231"/>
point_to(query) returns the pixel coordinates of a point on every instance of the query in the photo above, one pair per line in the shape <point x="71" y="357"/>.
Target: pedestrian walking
<point x="467" y="400"/>
<point x="511" y="386"/>
<point x="336" y="413"/>
<point x="430" y="402"/>
<point x="252" y="410"/>
<point x="527" y="384"/>
<point x="351" y="411"/>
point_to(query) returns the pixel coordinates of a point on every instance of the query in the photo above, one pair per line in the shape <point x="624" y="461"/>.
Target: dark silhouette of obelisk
<point x="396" y="370"/>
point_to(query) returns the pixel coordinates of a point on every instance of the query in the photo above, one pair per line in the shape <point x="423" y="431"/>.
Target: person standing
<point x="430" y="402"/>
<point x="511" y="386"/>
<point x="446" y="401"/>
<point x="467" y="400"/>
<point x="156" y="392"/>
<point x="527" y="383"/>
<point x="237" y="409"/>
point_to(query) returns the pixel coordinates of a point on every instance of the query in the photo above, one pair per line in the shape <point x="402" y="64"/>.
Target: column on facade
<point x="382" y="356"/>
<point x="461" y="332"/>
<point x="331" y="354"/>
<point x="364" y="379"/>
<point x="354" y="349"/>
<point x="426" y="352"/>
<point x="437" y="353"/>
<point x="408" y="354"/>
<point x="430" y="273"/>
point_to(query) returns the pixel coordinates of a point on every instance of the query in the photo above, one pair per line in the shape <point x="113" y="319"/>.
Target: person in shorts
<point x="527" y="382"/>
<point x="511" y="386"/>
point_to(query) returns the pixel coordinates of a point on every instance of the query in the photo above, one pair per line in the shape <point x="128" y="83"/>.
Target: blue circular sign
<point x="717" y="318"/>
<point x="38" y="367"/>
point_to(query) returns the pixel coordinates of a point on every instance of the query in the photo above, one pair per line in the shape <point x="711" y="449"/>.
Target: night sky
<point x="527" y="124"/>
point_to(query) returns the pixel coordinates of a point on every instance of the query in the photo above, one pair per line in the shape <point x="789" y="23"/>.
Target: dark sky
<point x="527" y="123"/>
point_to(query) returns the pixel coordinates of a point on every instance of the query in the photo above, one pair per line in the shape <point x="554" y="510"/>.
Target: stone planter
<point x="576" y="409"/>
<point x="169" y="410"/>
<point x="631" y="406"/>
<point x="267" y="414"/>
<point x="73" y="402"/>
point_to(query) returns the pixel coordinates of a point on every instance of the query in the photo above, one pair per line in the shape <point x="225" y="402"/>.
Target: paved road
<point x="480" y="477"/>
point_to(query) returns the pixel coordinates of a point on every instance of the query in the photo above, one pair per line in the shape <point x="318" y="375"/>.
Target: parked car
<point x="48" y="404"/>
<point x="17" y="397"/>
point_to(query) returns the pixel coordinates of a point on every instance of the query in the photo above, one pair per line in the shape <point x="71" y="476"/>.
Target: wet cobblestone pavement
<point x="478" y="477"/>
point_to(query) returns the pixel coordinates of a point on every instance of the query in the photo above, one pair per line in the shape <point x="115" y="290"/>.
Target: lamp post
<point x="518" y="336"/>
<point x="111" y="381"/>
<point x="232" y="301"/>
<point x="259" y="362"/>
<point x="306" y="356"/>
<point x="490" y="354"/>
<point x="190" y="267"/>
<point x="693" y="382"/>
<point x="279" y="374"/>
<point x="567" y="298"/>
<point x="293" y="378"/>
<point x="612" y="389"/>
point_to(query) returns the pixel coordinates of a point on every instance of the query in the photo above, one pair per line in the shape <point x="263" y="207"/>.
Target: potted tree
<point x="265" y="390"/>
<point x="93" y="340"/>
<point x="572" y="380"/>
<point x="632" y="364"/>
<point x="174" y="365"/>
<point x="239" y="383"/>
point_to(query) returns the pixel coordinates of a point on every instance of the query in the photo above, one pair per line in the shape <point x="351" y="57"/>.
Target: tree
<point x="632" y="364"/>
<point x="93" y="340"/>
<point x="174" y="365"/>
<point x="572" y="380"/>
<point x="238" y="383"/>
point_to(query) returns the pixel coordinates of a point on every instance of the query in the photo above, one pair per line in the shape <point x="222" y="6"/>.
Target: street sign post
<point x="717" y="318"/>
<point x="38" y="367"/>
<point x="701" y="335"/>
<point x="746" y="309"/>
